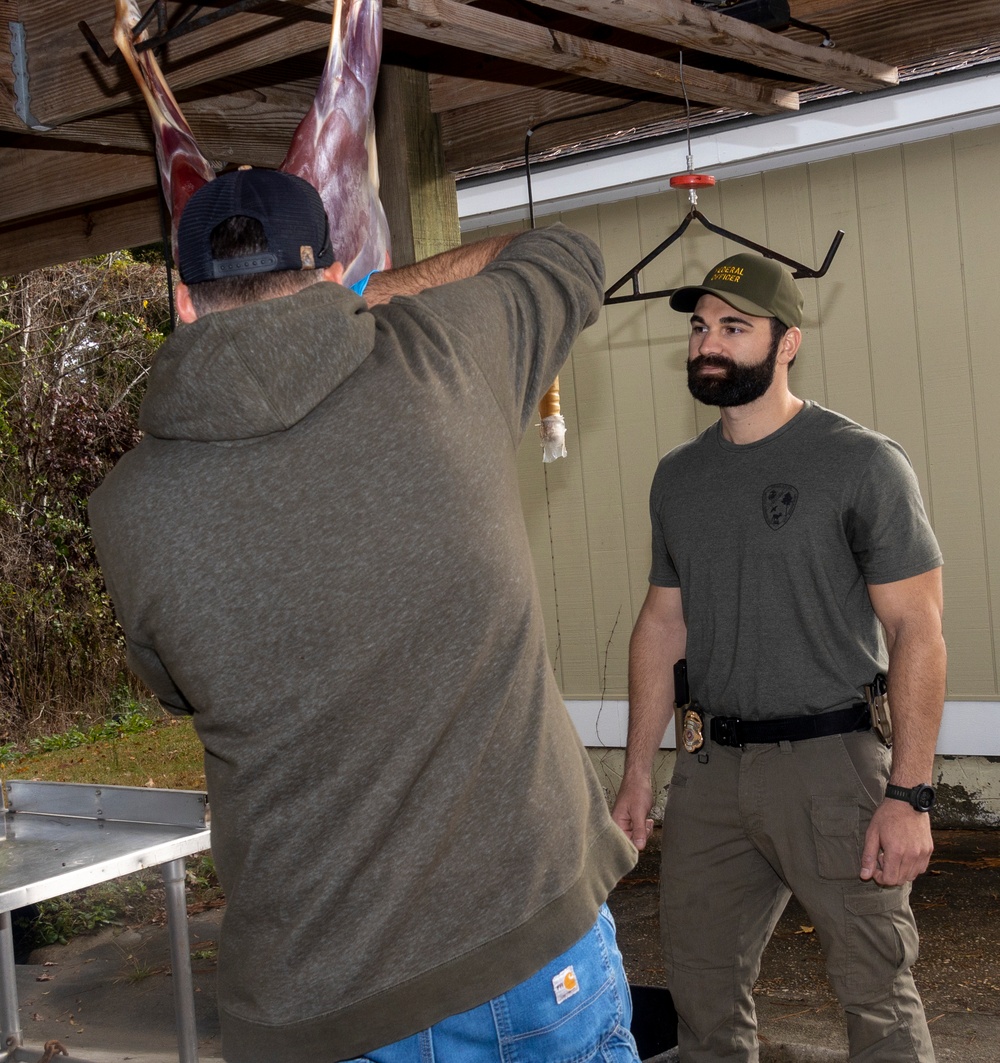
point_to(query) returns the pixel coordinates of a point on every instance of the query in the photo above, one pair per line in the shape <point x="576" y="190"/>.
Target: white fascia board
<point x="968" y="728"/>
<point x="820" y="132"/>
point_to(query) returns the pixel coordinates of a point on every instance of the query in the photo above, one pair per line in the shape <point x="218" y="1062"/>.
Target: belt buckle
<point x="725" y="728"/>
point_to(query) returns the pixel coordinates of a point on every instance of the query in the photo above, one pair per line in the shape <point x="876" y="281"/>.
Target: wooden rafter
<point x="68" y="82"/>
<point x="242" y="126"/>
<point x="448" y="22"/>
<point x="580" y="73"/>
<point x="697" y="28"/>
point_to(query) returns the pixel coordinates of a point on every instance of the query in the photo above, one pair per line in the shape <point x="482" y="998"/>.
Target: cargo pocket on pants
<point x="837" y="836"/>
<point x="881" y="941"/>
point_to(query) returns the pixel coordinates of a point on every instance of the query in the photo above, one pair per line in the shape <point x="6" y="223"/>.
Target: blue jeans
<point x="553" y="1017"/>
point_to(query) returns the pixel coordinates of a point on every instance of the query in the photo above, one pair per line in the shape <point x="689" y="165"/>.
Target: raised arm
<point x="453" y="265"/>
<point x="898" y="844"/>
<point x="658" y="641"/>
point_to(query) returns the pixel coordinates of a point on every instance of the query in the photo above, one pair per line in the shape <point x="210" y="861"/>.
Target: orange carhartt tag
<point x="565" y="985"/>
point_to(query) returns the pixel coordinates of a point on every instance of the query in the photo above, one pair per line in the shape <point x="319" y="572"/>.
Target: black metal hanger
<point x="799" y="270"/>
<point x="692" y="182"/>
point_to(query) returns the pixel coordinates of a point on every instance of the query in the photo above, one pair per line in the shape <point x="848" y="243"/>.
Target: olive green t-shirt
<point x="772" y="544"/>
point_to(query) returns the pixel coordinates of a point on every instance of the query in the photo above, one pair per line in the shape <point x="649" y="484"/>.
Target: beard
<point x="740" y="385"/>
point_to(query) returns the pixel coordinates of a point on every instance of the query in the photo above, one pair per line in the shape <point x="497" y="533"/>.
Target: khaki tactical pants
<point x="742" y="831"/>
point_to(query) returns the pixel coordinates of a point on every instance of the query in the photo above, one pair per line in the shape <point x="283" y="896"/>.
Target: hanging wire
<point x="531" y="217"/>
<point x="695" y="179"/>
<point x="554" y="121"/>
<point x="687" y="112"/>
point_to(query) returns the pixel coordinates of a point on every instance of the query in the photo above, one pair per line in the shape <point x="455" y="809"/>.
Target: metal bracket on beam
<point x="22" y="97"/>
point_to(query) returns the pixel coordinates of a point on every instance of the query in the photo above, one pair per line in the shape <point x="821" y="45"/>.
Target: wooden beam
<point x="78" y="234"/>
<point x="128" y="133"/>
<point x="67" y="81"/>
<point x="479" y="78"/>
<point x="417" y="192"/>
<point x="252" y="126"/>
<point x="492" y="134"/>
<point x="690" y="26"/>
<point x="448" y="22"/>
<point x="903" y="32"/>
<point x="42" y="182"/>
<point x="9" y="13"/>
<point x="453" y="93"/>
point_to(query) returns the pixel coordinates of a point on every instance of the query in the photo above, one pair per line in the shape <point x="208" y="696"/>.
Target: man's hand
<point x="898" y="844"/>
<point x="631" y="811"/>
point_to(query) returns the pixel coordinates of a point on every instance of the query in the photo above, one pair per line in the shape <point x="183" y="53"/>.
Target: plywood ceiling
<point x="76" y="172"/>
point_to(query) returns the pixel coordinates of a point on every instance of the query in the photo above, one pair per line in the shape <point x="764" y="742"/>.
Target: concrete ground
<point x="110" y="997"/>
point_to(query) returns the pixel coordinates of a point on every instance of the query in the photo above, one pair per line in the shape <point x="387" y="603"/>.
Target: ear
<point x="789" y="346"/>
<point x="334" y="272"/>
<point x="185" y="307"/>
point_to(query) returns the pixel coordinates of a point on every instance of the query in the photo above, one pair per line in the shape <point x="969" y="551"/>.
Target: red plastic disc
<point x="692" y="180"/>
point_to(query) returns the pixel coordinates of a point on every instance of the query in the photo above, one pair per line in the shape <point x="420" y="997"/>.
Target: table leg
<point x="10" y="1022"/>
<point x="180" y="958"/>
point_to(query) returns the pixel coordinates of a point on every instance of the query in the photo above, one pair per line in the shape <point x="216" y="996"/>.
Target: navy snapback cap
<point x="288" y="208"/>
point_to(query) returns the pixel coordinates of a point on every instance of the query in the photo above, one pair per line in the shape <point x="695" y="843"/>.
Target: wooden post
<point x="417" y="192"/>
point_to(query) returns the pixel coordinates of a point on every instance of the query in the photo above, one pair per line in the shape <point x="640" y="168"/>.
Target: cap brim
<point x="686" y="299"/>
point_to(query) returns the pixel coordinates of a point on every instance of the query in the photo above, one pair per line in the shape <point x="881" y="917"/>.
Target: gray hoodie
<point x="318" y="550"/>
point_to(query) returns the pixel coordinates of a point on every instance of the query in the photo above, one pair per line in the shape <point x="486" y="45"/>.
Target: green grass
<point x="165" y="754"/>
<point x="139" y="749"/>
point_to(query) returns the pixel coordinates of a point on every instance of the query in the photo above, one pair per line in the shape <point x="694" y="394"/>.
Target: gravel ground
<point x="958" y="972"/>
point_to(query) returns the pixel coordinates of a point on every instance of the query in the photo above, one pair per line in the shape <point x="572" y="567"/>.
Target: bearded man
<point x="795" y="571"/>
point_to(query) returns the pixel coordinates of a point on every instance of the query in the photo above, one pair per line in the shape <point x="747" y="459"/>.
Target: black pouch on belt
<point x="689" y="724"/>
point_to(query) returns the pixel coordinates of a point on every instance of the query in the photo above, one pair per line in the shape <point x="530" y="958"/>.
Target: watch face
<point x="923" y="798"/>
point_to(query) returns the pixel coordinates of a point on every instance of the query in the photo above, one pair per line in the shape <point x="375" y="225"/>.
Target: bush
<point x="75" y="345"/>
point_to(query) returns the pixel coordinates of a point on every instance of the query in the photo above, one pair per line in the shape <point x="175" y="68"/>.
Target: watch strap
<point x="912" y="794"/>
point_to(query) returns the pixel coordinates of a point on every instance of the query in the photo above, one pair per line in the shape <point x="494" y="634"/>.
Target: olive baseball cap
<point x="288" y="208"/>
<point x="751" y="283"/>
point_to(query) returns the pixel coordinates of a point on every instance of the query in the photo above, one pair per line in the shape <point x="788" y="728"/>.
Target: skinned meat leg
<point x="334" y="145"/>
<point x="183" y="168"/>
<point x="334" y="149"/>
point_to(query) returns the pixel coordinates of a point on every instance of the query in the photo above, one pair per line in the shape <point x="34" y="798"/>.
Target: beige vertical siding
<point x="903" y="334"/>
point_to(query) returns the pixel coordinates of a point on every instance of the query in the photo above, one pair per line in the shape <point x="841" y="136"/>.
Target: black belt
<point x="732" y="731"/>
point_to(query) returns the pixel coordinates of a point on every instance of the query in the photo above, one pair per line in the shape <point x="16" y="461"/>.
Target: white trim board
<point x="969" y="728"/>
<point x="821" y="132"/>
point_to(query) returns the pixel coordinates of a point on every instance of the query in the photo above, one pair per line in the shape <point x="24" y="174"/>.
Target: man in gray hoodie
<point x="317" y="550"/>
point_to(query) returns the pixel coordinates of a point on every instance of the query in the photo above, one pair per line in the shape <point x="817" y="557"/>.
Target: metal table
<point x="59" y="837"/>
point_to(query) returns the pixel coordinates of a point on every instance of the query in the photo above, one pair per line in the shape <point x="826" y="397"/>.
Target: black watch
<point x="921" y="796"/>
